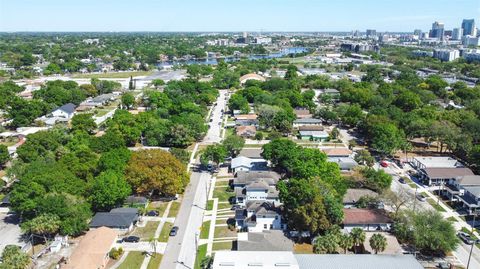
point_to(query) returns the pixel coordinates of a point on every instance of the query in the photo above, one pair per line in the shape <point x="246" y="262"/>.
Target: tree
<point x="335" y="133"/>
<point x="158" y="82"/>
<point x="377" y="180"/>
<point x="108" y="190"/>
<point x="365" y="158"/>
<point x="44" y="225"/>
<point x="397" y="199"/>
<point x="325" y="244"/>
<point x="345" y="241"/>
<point x="386" y="138"/>
<point x="291" y="72"/>
<point x="128" y="100"/>
<point x="156" y="170"/>
<point x="4" y="155"/>
<point x="233" y="144"/>
<point x="83" y="122"/>
<point x="378" y="243"/>
<point x="358" y="237"/>
<point x="14" y="258"/>
<point x="213" y="153"/>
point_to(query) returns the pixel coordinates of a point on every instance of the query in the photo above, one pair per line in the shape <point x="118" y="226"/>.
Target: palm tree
<point x="325" y="244"/>
<point x="358" y="236"/>
<point x="345" y="241"/>
<point x="44" y="225"/>
<point x="378" y="243"/>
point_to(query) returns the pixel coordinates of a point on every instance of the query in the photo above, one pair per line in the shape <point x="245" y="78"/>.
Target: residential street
<point x="181" y="249"/>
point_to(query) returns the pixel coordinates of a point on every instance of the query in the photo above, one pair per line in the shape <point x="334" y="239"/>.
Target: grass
<point x="201" y="253"/>
<point x="224" y="205"/>
<point x="223" y="231"/>
<point x="222" y="246"/>
<point x="452" y="219"/>
<point x="229" y="132"/>
<point x="134" y="260"/>
<point x="147" y="232"/>
<point x="303" y="248"/>
<point x="155" y="261"/>
<point x="210" y="205"/>
<point x="113" y="74"/>
<point x="436" y="206"/>
<point x="412" y="185"/>
<point x="222" y="194"/>
<point x="158" y="206"/>
<point x="164" y="234"/>
<point x="205" y="230"/>
<point x="174" y="209"/>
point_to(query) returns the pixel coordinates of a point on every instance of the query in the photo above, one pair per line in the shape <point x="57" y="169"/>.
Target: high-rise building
<point x="457" y="33"/>
<point x="417" y="32"/>
<point x="371" y="32"/>
<point x="469" y="28"/>
<point x="438" y="30"/>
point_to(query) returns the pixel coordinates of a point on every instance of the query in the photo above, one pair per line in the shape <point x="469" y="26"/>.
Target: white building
<point x="259" y="216"/>
<point x="457" y="34"/>
<point x="469" y="41"/>
<point x="65" y="111"/>
<point x="435" y="162"/>
<point x="242" y="163"/>
<point x="263" y="40"/>
<point x="446" y="55"/>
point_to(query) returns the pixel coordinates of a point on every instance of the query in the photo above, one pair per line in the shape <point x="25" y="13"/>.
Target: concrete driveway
<point x="10" y="232"/>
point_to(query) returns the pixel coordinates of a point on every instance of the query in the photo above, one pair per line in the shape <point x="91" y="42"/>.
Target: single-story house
<point x="66" y="111"/>
<point x="255" y="259"/>
<point x="309" y="121"/>
<point x="338" y="152"/>
<point x="251" y="153"/>
<point x="92" y="251"/>
<point x="438" y="176"/>
<point x="259" y="216"/>
<point x="435" y="162"/>
<point x="302" y="113"/>
<point x="352" y="196"/>
<point x="367" y="219"/>
<point x="345" y="163"/>
<point x="120" y="219"/>
<point x="251" y="76"/>
<point x="271" y="240"/>
<point x="246" y="120"/>
<point x="312" y="132"/>
<point x="242" y="163"/>
<point x="246" y="131"/>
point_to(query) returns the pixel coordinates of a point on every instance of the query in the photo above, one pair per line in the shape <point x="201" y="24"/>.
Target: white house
<point x="259" y="190"/>
<point x="242" y="163"/>
<point x="259" y="216"/>
<point x="66" y="111"/>
<point x="367" y="219"/>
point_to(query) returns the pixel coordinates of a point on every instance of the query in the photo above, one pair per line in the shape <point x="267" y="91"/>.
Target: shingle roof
<point x="269" y="240"/>
<point x="68" y="108"/>
<point x="353" y="195"/>
<point x="251" y="153"/>
<point x="244" y="177"/>
<point x="311" y="128"/>
<point x="469" y="180"/>
<point x="447" y="173"/>
<point x="121" y="218"/>
<point x="364" y="216"/>
<point x="307" y="121"/>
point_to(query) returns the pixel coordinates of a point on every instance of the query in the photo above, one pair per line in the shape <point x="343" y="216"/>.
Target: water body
<point x="214" y="61"/>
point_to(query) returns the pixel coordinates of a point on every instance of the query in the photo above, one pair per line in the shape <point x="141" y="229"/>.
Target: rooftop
<point x="353" y="195"/>
<point x="469" y="180"/>
<point x="251" y="153"/>
<point x="365" y="216"/>
<point x="244" y="177"/>
<point x="246" y="117"/>
<point x="255" y="259"/>
<point x="437" y="162"/>
<point x="342" y="261"/>
<point x="68" y="108"/>
<point x="311" y="128"/>
<point x="307" y="121"/>
<point x="269" y="240"/>
<point x="332" y="152"/>
<point x="447" y="173"/>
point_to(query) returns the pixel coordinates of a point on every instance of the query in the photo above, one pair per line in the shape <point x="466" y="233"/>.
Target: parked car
<point x="444" y="265"/>
<point x="421" y="198"/>
<point x="210" y="167"/>
<point x="383" y="164"/>
<point x="402" y="180"/>
<point x="174" y="231"/>
<point x="131" y="239"/>
<point x="466" y="238"/>
<point x="167" y="198"/>
<point x="235" y="207"/>
<point x="211" y="120"/>
<point x="153" y="213"/>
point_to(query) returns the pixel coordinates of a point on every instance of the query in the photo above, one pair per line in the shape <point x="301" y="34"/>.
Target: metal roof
<point x="365" y="261"/>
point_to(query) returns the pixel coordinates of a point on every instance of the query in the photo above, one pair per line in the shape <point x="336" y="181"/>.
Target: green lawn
<point x="134" y="260"/>
<point x="222" y="246"/>
<point x="434" y="204"/>
<point x="201" y="253"/>
<point x="209" y="204"/>
<point x="158" y="206"/>
<point x="174" y="209"/>
<point x="114" y="74"/>
<point x="223" y="231"/>
<point x="229" y="132"/>
<point x="205" y="230"/>
<point x="164" y="234"/>
<point x="224" y="205"/>
<point x="155" y="261"/>
<point x="147" y="232"/>
<point x="222" y="194"/>
<point x="452" y="219"/>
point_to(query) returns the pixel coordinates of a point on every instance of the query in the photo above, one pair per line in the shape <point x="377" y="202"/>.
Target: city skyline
<point x="216" y="16"/>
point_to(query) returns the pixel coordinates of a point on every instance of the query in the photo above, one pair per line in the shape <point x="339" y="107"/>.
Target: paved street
<point x="10" y="233"/>
<point x="181" y="249"/>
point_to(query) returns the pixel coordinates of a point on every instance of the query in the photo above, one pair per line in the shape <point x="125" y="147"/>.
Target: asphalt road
<point x="181" y="249"/>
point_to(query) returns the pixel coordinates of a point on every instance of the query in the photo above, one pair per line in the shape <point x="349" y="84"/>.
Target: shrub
<point x="116" y="253"/>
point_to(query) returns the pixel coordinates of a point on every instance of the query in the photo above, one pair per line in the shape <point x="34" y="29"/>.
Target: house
<point x="352" y="196"/>
<point x="251" y="76"/>
<point x="120" y="219"/>
<point x="246" y="120"/>
<point x="338" y="152"/>
<point x="251" y="153"/>
<point x="245" y="177"/>
<point x="289" y="260"/>
<point x="271" y="240"/>
<point x="367" y="219"/>
<point x="439" y="176"/>
<point x="455" y="186"/>
<point x="471" y="199"/>
<point x="258" y="190"/>
<point x="435" y="162"/>
<point x="302" y="113"/>
<point x="344" y="163"/>
<point x="137" y="201"/>
<point x="259" y="216"/>
<point x="309" y="121"/>
<point x="312" y="133"/>
<point x="92" y="251"/>
<point x="246" y="131"/>
<point x="242" y="163"/>
<point x="66" y="111"/>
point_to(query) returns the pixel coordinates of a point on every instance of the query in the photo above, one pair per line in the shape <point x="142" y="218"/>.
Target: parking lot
<point x="9" y="230"/>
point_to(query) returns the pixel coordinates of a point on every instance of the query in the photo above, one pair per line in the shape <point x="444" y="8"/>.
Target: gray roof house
<point x="245" y="177"/>
<point x="270" y="240"/>
<point x="242" y="163"/>
<point x="121" y="219"/>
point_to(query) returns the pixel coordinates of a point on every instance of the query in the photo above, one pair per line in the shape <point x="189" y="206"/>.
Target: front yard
<point x="222" y="246"/>
<point x="223" y="231"/>
<point x="147" y="232"/>
<point x="223" y="193"/>
<point x="174" y="209"/>
<point x="134" y="260"/>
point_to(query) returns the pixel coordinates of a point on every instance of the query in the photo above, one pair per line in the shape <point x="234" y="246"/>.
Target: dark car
<point x="466" y="238"/>
<point x="167" y="198"/>
<point x="402" y="180"/>
<point x="174" y="231"/>
<point x="235" y="207"/>
<point x="131" y="239"/>
<point x="153" y="213"/>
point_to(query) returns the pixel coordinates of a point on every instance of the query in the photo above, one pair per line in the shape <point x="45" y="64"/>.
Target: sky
<point x="233" y="15"/>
